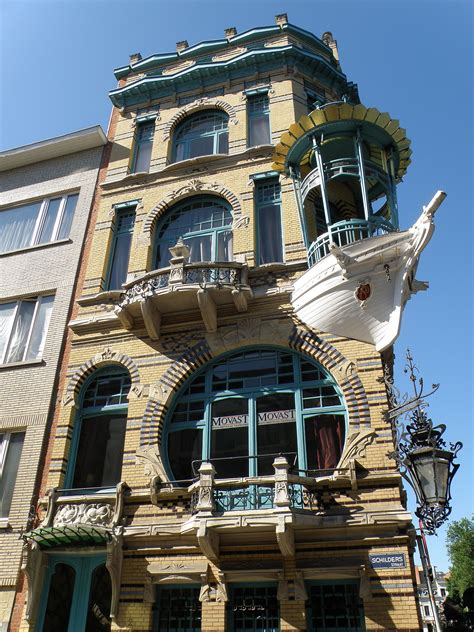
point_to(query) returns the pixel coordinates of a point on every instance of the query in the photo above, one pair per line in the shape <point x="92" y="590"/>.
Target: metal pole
<point x="363" y="182"/>
<point x="295" y="176"/>
<point x="324" y="195"/>
<point x="428" y="573"/>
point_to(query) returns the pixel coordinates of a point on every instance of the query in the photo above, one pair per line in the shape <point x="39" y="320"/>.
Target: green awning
<point x="67" y="535"/>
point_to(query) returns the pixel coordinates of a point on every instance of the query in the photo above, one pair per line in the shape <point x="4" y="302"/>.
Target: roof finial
<point x="281" y="19"/>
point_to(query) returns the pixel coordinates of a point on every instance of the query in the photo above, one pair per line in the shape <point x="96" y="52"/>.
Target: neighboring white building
<point x="46" y="193"/>
<point x="440" y="593"/>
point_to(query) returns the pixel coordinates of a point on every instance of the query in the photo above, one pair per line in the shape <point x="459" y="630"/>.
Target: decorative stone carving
<point x="194" y="185"/>
<point x="34" y="564"/>
<point x="96" y="514"/>
<point x="355" y="446"/>
<point x="194" y="106"/>
<point x="113" y="564"/>
<point x="107" y="355"/>
<point x="241" y="222"/>
<point x="172" y="70"/>
<point x="230" y="54"/>
<point x="151" y="459"/>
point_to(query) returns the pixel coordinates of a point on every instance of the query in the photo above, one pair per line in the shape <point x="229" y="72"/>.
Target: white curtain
<point x="40" y="329"/>
<point x="21" y="329"/>
<point x="6" y="315"/>
<point x="17" y="226"/>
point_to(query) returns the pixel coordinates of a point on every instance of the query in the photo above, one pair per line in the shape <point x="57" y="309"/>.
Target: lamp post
<point x="425" y="462"/>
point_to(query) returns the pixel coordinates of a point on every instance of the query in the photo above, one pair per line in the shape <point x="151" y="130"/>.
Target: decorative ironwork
<point x="303" y="498"/>
<point x="145" y="289"/>
<point x="419" y="444"/>
<point x="244" y="498"/>
<point x="216" y="276"/>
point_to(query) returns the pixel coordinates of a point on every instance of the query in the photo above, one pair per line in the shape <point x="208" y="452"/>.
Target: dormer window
<point x="202" y="134"/>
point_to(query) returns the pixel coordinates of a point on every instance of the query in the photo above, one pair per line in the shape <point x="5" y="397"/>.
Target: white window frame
<point x="40" y="219"/>
<point x="38" y="300"/>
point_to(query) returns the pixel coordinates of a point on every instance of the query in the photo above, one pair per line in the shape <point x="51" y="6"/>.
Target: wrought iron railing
<point x="343" y="166"/>
<point x="345" y="233"/>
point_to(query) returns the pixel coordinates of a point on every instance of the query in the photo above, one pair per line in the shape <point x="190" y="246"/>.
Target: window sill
<point x="4" y="523"/>
<point x="18" y="365"/>
<point x="49" y="244"/>
<point x="107" y="296"/>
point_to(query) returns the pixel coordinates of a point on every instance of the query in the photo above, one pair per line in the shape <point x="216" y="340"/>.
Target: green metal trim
<point x="153" y="87"/>
<point x="208" y="46"/>
<point x="67" y="535"/>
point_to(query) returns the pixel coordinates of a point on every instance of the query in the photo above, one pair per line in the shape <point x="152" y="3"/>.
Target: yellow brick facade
<point x="366" y="516"/>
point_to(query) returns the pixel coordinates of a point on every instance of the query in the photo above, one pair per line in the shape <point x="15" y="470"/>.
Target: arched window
<point x="242" y="411"/>
<point x="201" y="134"/>
<point x="204" y="223"/>
<point x="99" y="433"/>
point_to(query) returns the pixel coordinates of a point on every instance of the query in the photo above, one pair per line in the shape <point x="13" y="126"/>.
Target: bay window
<point x="37" y="223"/>
<point x="23" y="328"/>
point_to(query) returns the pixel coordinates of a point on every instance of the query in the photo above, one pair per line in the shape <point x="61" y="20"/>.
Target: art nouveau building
<point x="220" y="453"/>
<point x="46" y="193"/>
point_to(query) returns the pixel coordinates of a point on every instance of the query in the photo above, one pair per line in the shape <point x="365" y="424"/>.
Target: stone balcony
<point x="182" y="287"/>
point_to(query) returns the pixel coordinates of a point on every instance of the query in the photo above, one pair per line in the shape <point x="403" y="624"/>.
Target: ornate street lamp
<point x="425" y="462"/>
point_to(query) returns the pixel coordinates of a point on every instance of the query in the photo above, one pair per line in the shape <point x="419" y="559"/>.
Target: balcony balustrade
<point x="345" y="233"/>
<point x="184" y="286"/>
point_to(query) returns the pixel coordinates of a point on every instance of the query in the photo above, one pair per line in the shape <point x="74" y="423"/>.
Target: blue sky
<point x="412" y="58"/>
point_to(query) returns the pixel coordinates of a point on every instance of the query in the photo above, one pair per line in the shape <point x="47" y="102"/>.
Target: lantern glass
<point x="431" y="468"/>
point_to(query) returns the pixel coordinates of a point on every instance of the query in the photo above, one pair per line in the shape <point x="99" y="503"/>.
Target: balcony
<point x="181" y="287"/>
<point x="345" y="233"/>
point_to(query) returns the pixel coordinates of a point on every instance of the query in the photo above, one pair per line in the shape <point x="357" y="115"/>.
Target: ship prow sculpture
<point x="345" y="161"/>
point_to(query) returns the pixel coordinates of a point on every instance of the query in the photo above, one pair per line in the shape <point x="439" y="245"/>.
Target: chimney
<point x="329" y="40"/>
<point x="134" y="57"/>
<point x="281" y="19"/>
<point x="181" y="45"/>
<point x="230" y="32"/>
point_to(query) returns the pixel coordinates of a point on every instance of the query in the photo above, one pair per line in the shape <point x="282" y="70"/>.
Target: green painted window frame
<point x="213" y="231"/>
<point x="230" y="607"/>
<point x="258" y="107"/>
<point x="184" y="138"/>
<point x="354" y="584"/>
<point x="179" y="588"/>
<point x="84" y="567"/>
<point x="268" y="195"/>
<point x="121" y="228"/>
<point x="198" y="389"/>
<point x="88" y="412"/>
<point x="142" y="141"/>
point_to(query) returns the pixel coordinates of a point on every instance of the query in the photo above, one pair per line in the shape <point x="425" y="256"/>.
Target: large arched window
<point x="99" y="433"/>
<point x="204" y="223"/>
<point x="201" y="134"/>
<point x="242" y="411"/>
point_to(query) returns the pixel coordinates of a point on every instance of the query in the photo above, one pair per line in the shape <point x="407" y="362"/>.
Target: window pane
<point x="199" y="248"/>
<point x="276" y="430"/>
<point x="259" y="132"/>
<point x="40" y="328"/>
<point x="107" y="391"/>
<point x="46" y="233"/>
<point x="6" y="321"/>
<point x="100" y="452"/>
<point x="179" y="610"/>
<point x="270" y="247"/>
<point x="201" y="147"/>
<point x="184" y="447"/>
<point x="68" y="215"/>
<point x="10" y="470"/>
<point x="224" y="246"/>
<point x="143" y="157"/>
<point x="223" y="143"/>
<point x="60" y="594"/>
<point x="255" y="608"/>
<point x="324" y="441"/>
<point x="100" y="595"/>
<point x="229" y="443"/>
<point x="335" y="607"/>
<point x="21" y="330"/>
<point x="17" y="226"/>
<point x="120" y="259"/>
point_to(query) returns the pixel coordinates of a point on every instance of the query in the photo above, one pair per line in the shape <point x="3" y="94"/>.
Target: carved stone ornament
<point x="199" y="104"/>
<point x="230" y="54"/>
<point x="171" y="70"/>
<point x="151" y="459"/>
<point x="356" y="445"/>
<point x="34" y="564"/>
<point x="363" y="292"/>
<point x="96" y="514"/>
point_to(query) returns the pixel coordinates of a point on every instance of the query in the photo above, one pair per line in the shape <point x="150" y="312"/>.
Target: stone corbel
<point x="154" y="468"/>
<point x="51" y="508"/>
<point x="285" y="536"/>
<point x="343" y="260"/>
<point x="240" y="300"/>
<point x="211" y="591"/>
<point x="119" y="500"/>
<point x="208" y="542"/>
<point x="208" y="310"/>
<point x="124" y="317"/>
<point x="152" y="319"/>
<point x="34" y="565"/>
<point x="356" y="445"/>
<point x="113" y="564"/>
